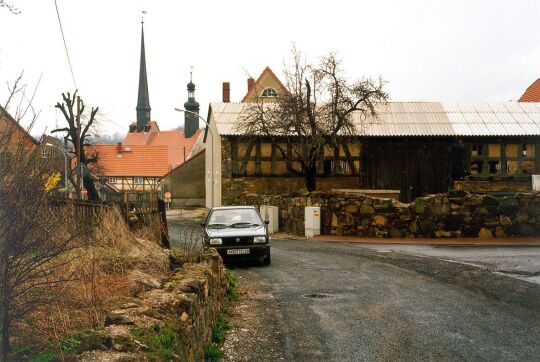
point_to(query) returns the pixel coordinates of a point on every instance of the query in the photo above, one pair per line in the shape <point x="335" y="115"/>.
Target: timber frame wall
<point x="260" y="156"/>
<point x="417" y="166"/>
<point x="126" y="185"/>
<point x="508" y="156"/>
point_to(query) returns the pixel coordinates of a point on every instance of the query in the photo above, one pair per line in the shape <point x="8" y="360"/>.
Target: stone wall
<point x="187" y="304"/>
<point x="233" y="188"/>
<point x="501" y="184"/>
<point x="454" y="214"/>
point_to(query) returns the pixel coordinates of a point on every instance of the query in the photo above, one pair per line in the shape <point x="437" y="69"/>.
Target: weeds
<point x="220" y="328"/>
<point x="163" y="341"/>
<point x="232" y="285"/>
<point x="212" y="353"/>
<point x="191" y="244"/>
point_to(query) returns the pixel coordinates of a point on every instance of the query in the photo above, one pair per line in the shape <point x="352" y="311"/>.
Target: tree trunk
<point x="5" y="330"/>
<point x="90" y="188"/>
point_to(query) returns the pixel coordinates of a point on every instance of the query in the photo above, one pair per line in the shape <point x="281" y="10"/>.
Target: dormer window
<point x="269" y="92"/>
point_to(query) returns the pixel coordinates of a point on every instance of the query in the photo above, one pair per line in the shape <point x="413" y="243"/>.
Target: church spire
<point x="191" y="120"/>
<point x="143" y="100"/>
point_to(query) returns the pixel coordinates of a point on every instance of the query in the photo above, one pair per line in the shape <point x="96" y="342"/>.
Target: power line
<point x="65" y="44"/>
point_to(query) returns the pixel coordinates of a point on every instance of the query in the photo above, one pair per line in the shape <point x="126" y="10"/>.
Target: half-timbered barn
<point x="416" y="148"/>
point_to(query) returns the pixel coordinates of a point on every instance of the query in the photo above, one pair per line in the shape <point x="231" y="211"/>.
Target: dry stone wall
<point x="454" y="214"/>
<point x="186" y="304"/>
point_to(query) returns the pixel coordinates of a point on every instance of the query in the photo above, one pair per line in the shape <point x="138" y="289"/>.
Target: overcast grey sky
<point x="452" y="50"/>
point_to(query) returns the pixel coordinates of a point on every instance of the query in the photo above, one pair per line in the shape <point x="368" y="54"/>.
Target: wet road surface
<point x="329" y="301"/>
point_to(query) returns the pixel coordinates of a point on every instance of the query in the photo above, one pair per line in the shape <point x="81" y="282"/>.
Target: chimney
<point x="226" y="92"/>
<point x="119" y="149"/>
<point x="250" y="82"/>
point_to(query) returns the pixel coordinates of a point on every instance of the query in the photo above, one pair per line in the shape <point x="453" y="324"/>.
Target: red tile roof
<point x="135" y="161"/>
<point x="175" y="141"/>
<point x="532" y="94"/>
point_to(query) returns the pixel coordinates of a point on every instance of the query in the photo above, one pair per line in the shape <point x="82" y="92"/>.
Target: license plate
<point x="237" y="251"/>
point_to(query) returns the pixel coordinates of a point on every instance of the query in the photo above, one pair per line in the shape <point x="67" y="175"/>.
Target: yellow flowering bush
<point x="51" y="181"/>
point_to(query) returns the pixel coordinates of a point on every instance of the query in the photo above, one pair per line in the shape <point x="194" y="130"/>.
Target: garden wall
<point x="454" y="214"/>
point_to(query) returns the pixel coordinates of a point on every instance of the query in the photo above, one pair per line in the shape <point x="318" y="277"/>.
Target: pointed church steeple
<point x="191" y="121"/>
<point x="143" y="100"/>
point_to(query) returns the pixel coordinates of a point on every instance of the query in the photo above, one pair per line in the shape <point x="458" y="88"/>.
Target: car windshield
<point x="234" y="218"/>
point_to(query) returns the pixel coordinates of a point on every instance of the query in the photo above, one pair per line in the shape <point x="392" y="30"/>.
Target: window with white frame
<point x="111" y="180"/>
<point x="47" y="153"/>
<point x="137" y="180"/>
<point x="269" y="92"/>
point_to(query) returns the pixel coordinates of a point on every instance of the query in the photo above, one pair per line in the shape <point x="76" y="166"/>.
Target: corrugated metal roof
<point x="418" y="119"/>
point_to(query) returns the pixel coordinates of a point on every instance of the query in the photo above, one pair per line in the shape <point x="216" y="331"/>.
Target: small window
<point x="476" y="167"/>
<point x="476" y="150"/>
<point x="494" y="166"/>
<point x="111" y="180"/>
<point x="138" y="180"/>
<point x="47" y="153"/>
<point x="269" y="92"/>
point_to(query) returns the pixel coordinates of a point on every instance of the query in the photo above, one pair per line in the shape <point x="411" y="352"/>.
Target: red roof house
<point x="532" y="94"/>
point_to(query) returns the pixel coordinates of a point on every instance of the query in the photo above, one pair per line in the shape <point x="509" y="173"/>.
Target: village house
<point x="532" y="93"/>
<point x="132" y="173"/>
<point x="14" y="134"/>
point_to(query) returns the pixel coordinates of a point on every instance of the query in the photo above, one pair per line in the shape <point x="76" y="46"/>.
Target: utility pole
<point x="79" y="154"/>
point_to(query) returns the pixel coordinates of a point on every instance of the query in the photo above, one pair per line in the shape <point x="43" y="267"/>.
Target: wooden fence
<point x="150" y="213"/>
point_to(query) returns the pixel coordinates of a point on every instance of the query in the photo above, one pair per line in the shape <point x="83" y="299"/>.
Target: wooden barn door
<point x="415" y="168"/>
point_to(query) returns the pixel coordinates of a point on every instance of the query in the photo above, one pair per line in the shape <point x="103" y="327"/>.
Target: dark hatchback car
<point x="237" y="233"/>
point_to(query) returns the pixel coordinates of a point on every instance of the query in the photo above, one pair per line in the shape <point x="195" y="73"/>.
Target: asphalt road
<point x="520" y="261"/>
<point x="322" y="301"/>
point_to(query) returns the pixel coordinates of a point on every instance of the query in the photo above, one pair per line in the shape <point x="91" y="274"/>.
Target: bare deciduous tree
<point x="77" y="134"/>
<point x="11" y="8"/>
<point x="35" y="236"/>
<point x="316" y="112"/>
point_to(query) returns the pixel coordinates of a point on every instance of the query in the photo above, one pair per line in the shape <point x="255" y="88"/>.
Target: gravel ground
<point x="335" y="302"/>
<point x="254" y="319"/>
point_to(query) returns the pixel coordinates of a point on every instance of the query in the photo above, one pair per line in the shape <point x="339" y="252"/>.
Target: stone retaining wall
<point x="454" y="214"/>
<point x="187" y="305"/>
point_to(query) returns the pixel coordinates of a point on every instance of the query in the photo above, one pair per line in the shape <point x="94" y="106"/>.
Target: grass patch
<point x="219" y="329"/>
<point x="163" y="341"/>
<point x="232" y="285"/>
<point x="45" y="356"/>
<point x="54" y="352"/>
<point x="212" y="353"/>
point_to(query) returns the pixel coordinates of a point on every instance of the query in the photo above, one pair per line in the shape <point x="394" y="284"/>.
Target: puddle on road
<point x="317" y="296"/>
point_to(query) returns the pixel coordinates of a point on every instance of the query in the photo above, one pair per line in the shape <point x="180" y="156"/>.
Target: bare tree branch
<point x="317" y="112"/>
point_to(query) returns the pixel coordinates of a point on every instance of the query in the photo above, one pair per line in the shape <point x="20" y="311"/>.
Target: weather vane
<point x="143" y="13"/>
<point x="191" y="73"/>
